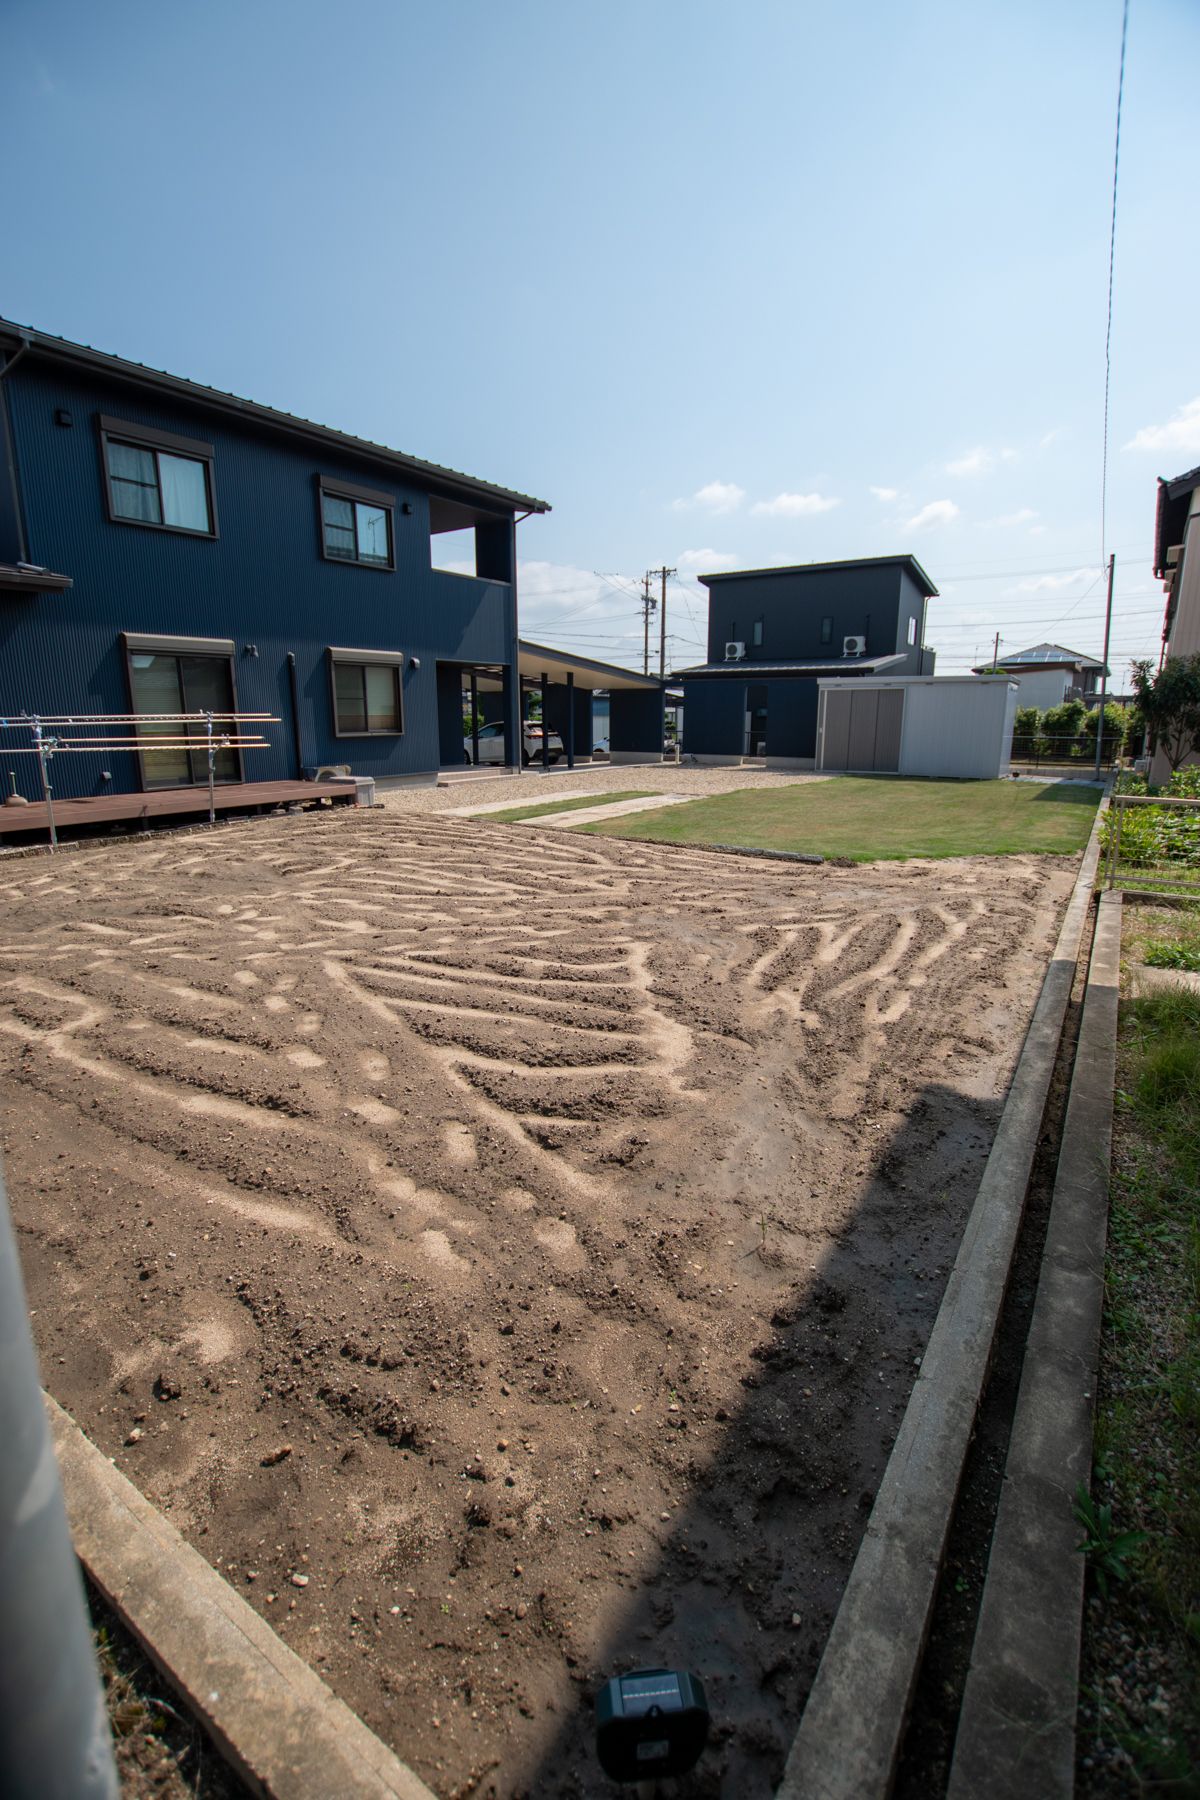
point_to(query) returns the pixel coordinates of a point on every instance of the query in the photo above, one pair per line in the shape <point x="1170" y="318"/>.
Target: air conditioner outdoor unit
<point x="734" y="652"/>
<point x="854" y="646"/>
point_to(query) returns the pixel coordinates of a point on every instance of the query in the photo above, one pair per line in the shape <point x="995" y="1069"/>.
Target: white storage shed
<point x="957" y="726"/>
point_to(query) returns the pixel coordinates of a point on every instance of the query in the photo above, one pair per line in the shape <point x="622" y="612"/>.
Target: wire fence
<point x="1152" y="842"/>
<point x="1037" y="749"/>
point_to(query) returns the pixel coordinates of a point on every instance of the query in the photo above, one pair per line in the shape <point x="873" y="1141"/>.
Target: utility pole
<point x="662" y="618"/>
<point x="648" y="606"/>
<point x="996" y="655"/>
<point x="1112" y="563"/>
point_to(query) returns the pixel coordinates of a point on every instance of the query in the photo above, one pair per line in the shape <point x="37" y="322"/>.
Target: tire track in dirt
<point x="533" y="1187"/>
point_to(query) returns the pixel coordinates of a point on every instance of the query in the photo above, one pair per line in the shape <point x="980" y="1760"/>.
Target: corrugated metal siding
<point x="792" y="606"/>
<point x="262" y="582"/>
<point x="929" y="728"/>
<point x="957" y="728"/>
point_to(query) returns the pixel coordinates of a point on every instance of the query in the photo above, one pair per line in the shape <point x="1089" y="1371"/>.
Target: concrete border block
<point x="1016" y="1732"/>
<point x="275" y="1721"/>
<point x="848" y="1742"/>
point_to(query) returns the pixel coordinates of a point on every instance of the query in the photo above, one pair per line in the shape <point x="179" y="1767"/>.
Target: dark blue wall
<point x="263" y="581"/>
<point x="635" y="719"/>
<point x="792" y="718"/>
<point x="714" y="717"/>
<point x="556" y="708"/>
<point x="871" y="602"/>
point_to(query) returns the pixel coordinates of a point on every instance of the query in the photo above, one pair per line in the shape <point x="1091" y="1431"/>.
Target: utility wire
<point x="1112" y="252"/>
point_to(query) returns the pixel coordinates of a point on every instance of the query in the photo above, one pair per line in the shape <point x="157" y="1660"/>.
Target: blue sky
<point x="729" y="285"/>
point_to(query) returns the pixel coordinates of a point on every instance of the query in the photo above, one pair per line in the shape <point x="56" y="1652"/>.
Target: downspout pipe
<point x="294" y="686"/>
<point x="54" y="1736"/>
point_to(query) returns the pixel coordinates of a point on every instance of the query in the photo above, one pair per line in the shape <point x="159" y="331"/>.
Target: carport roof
<point x="764" y="671"/>
<point x="537" y="660"/>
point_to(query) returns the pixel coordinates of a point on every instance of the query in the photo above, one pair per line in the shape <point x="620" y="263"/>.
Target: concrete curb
<point x="276" y="1723"/>
<point x="850" y="1735"/>
<point x="1016" y="1732"/>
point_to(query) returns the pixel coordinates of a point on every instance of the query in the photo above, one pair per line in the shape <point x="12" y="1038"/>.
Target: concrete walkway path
<point x="511" y="805"/>
<point x="587" y="815"/>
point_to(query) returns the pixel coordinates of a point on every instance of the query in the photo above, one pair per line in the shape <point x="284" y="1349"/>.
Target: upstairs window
<point x="758" y="630"/>
<point x="157" y="479"/>
<point x="356" y="525"/>
<point x="912" y="631"/>
<point x="827" y="631"/>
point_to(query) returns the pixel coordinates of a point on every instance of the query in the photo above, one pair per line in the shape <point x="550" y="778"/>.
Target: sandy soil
<point x="506" y="1255"/>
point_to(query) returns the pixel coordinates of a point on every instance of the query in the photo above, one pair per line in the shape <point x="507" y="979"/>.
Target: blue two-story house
<point x="165" y="548"/>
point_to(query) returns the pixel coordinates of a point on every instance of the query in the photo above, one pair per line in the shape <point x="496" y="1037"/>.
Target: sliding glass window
<point x="367" y="699"/>
<point x="169" y="681"/>
<point x="157" y="479"/>
<point x="356" y="524"/>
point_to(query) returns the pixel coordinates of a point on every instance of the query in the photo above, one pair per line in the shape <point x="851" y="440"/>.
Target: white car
<point x="491" y="745"/>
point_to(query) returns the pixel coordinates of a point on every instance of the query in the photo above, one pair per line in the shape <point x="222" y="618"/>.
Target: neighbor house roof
<point x="908" y="563"/>
<point x="1050" y="653"/>
<point x="22" y="340"/>
<point x="1170" y="520"/>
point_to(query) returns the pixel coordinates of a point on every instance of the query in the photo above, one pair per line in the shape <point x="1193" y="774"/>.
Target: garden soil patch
<point x="506" y="1256"/>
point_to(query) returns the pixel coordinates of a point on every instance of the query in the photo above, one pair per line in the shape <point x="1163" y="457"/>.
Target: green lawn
<point x="563" y="805"/>
<point x="873" y="816"/>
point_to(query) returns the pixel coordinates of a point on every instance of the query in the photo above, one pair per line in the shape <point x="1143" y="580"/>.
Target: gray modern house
<point x="773" y="634"/>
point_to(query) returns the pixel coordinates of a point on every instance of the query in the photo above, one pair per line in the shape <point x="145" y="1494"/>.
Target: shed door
<point x="837" y="730"/>
<point x="887" y="730"/>
<point x="864" y="717"/>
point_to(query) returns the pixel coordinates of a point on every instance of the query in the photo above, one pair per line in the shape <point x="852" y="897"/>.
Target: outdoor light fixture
<point x="649" y="1723"/>
<point x="251" y="649"/>
<point x="63" y="417"/>
<point x="414" y="662"/>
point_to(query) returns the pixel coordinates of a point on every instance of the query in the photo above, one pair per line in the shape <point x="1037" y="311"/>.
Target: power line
<point x="1112" y="253"/>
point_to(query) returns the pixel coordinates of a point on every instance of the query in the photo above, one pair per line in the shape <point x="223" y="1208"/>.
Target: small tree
<point x="1169" y="701"/>
<point x="1026" y="722"/>
<point x="1065" y="721"/>
<point x="1114" y="726"/>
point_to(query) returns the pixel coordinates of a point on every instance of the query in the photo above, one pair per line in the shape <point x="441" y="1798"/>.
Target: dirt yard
<point x="505" y="1254"/>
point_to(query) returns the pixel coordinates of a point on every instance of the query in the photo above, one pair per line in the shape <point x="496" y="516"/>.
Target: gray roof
<point x="31" y="578"/>
<point x="763" y="671"/>
<point x="1182" y="484"/>
<point x="15" y="338"/>
<point x="906" y="562"/>
<point x="1048" y="654"/>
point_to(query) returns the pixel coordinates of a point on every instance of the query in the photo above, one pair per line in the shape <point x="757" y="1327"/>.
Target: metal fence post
<point x="54" y="1737"/>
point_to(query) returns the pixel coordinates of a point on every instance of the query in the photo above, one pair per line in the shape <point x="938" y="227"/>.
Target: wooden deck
<point x="191" y="803"/>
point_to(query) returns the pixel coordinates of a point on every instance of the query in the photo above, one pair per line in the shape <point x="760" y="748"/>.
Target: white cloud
<point x="717" y="497"/>
<point x="1022" y="517"/>
<point x="976" y="462"/>
<point x="886" y="493"/>
<point x="1180" y="433"/>
<point x="598" y="615"/>
<point x="702" y="562"/>
<point x="1052" y="584"/>
<point x="792" y="506"/>
<point x="938" y="512"/>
